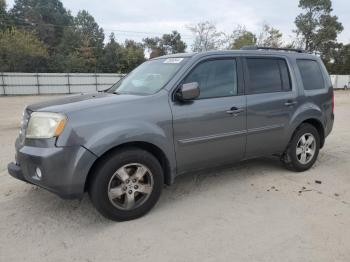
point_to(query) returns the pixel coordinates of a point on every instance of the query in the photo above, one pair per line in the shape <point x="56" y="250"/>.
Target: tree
<point x="89" y="31"/>
<point x="81" y="46"/>
<point x="206" y="37"/>
<point x="112" y="56"/>
<point x="168" y="44"/>
<point x="3" y="15"/>
<point x="173" y="44"/>
<point x="270" y="37"/>
<point x="47" y="18"/>
<point x="91" y="39"/>
<point x="241" y="37"/>
<point x="155" y="46"/>
<point x="316" y="27"/>
<point x="132" y="56"/>
<point x="340" y="60"/>
<point x="21" y="51"/>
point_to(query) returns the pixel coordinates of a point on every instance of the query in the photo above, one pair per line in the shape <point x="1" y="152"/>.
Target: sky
<point x="137" y="19"/>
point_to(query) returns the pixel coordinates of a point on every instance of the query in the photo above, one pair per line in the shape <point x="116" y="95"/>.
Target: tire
<point x="115" y="179"/>
<point x="294" y="154"/>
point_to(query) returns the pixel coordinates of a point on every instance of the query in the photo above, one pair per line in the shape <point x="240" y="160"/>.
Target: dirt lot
<point x="254" y="211"/>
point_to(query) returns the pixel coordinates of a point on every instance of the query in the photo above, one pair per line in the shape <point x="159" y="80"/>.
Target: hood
<point x="80" y="102"/>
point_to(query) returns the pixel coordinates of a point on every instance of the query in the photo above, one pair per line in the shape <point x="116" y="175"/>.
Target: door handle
<point x="290" y="103"/>
<point x="234" y="111"/>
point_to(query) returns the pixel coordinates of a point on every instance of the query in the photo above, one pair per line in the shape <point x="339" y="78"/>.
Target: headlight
<point x="45" y="125"/>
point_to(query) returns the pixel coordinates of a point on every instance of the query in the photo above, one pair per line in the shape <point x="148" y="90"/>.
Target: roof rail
<point x="254" y="47"/>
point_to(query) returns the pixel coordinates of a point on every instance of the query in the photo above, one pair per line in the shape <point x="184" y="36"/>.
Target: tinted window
<point x="286" y="85"/>
<point x="216" y="78"/>
<point x="268" y="75"/>
<point x="310" y="74"/>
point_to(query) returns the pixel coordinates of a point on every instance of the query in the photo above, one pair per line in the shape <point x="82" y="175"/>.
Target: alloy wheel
<point x="306" y="148"/>
<point x="130" y="186"/>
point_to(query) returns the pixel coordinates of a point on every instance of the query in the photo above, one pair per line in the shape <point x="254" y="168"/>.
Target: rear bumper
<point x="330" y="125"/>
<point x="64" y="169"/>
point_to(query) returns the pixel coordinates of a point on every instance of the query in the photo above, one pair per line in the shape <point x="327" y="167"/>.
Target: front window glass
<point x="149" y="77"/>
<point x="216" y="78"/>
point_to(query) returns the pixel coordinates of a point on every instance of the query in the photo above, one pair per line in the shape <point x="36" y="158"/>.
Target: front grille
<point x="24" y="124"/>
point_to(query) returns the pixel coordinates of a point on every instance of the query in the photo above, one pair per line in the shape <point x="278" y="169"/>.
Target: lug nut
<point x="134" y="180"/>
<point x="136" y="186"/>
<point x="127" y="181"/>
<point x="130" y="192"/>
<point x="125" y="188"/>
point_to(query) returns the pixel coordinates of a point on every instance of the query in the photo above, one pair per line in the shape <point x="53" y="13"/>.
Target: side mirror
<point x="188" y="92"/>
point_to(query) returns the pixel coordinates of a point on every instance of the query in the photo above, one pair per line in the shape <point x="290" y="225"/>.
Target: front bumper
<point x="64" y="169"/>
<point x="16" y="171"/>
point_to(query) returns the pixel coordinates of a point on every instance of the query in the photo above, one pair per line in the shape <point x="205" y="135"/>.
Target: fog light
<point x="38" y="172"/>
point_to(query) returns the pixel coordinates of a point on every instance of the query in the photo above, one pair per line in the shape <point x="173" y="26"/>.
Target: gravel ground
<point x="253" y="211"/>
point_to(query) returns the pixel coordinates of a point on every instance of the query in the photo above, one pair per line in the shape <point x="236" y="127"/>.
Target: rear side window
<point x="267" y="75"/>
<point x="311" y="74"/>
<point x="216" y="78"/>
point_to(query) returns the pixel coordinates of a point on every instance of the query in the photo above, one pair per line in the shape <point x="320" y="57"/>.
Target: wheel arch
<point x="315" y="123"/>
<point x="149" y="147"/>
<point x="319" y="127"/>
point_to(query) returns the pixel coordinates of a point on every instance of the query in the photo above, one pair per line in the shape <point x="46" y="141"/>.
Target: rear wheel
<point x="126" y="184"/>
<point x="303" y="148"/>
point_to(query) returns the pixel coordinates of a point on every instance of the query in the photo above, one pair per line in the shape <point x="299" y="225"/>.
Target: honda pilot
<point x="174" y="115"/>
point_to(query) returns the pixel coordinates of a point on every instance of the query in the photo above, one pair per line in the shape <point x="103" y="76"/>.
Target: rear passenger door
<point x="270" y="104"/>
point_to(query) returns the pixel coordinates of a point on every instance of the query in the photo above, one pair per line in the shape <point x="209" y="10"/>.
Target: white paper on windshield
<point x="173" y="60"/>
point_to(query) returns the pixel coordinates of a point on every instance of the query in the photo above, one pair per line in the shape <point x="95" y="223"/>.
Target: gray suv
<point x="173" y="115"/>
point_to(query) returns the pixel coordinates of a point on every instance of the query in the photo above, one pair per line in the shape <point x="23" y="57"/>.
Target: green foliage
<point x="168" y="44"/>
<point x="316" y="26"/>
<point x="241" y="37"/>
<point x="121" y="58"/>
<point x="173" y="44"/>
<point x="21" y="51"/>
<point x="207" y="37"/>
<point x="155" y="46"/>
<point x="270" y="37"/>
<point x="89" y="31"/>
<point x="41" y="35"/>
<point x="318" y="29"/>
<point x="3" y="14"/>
<point x="132" y="55"/>
<point x="339" y="63"/>
<point x="47" y="18"/>
<point x="112" y="56"/>
<point x="81" y="46"/>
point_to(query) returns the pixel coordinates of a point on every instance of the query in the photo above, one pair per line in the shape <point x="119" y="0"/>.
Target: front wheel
<point x="126" y="184"/>
<point x="303" y="148"/>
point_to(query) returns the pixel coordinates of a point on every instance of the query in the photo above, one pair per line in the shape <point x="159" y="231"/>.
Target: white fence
<point x="54" y="83"/>
<point x="57" y="83"/>
<point x="340" y="81"/>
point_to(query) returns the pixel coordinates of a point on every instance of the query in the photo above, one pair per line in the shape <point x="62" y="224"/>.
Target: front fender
<point x="121" y="133"/>
<point x="111" y="134"/>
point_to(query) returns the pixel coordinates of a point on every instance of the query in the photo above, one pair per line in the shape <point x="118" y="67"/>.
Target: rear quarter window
<point x="311" y="74"/>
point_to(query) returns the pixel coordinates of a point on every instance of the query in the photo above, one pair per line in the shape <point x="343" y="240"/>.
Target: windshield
<point x="149" y="77"/>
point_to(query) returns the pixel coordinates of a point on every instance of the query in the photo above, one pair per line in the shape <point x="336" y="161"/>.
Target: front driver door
<point x="211" y="130"/>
